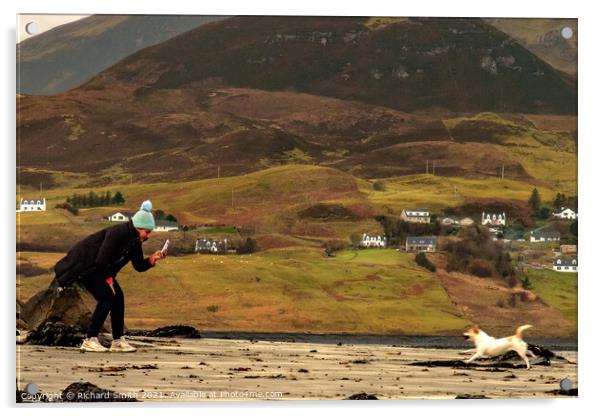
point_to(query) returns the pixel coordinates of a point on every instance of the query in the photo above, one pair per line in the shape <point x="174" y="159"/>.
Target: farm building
<point x="566" y="214"/>
<point x="493" y="219"/>
<point x="121" y="216"/>
<point x="32" y="205"/>
<point x="421" y="243"/>
<point x="165" y="226"/>
<point x="420" y="215"/>
<point x="205" y="246"/>
<point x="373" y="241"/>
<point x="565" y="265"/>
<point x="543" y="235"/>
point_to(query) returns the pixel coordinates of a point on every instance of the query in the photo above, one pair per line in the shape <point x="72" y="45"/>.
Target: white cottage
<point x="566" y="214"/>
<point x="565" y="265"/>
<point x="121" y="216"/>
<point x="420" y="215"/>
<point x="165" y="226"/>
<point x="32" y="205"/>
<point x="544" y="235"/>
<point x="493" y="219"/>
<point x="211" y="246"/>
<point x="373" y="241"/>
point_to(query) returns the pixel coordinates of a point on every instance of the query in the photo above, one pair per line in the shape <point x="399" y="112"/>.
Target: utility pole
<point x="218" y="168"/>
<point x="427" y="167"/>
<point x="232" y="197"/>
<point x="40" y="188"/>
<point x="433" y="168"/>
<point x="503" y="166"/>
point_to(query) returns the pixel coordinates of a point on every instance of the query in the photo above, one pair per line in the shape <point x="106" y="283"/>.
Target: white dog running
<point x="489" y="346"/>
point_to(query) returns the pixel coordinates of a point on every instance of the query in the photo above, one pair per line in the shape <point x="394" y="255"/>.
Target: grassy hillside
<point x="298" y="289"/>
<point x="548" y="155"/>
<point x="272" y="200"/>
<point x="293" y="289"/>
<point x="438" y="192"/>
<point x="557" y="289"/>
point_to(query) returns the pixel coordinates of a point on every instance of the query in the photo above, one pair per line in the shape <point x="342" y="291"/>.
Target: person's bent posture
<point x="95" y="262"/>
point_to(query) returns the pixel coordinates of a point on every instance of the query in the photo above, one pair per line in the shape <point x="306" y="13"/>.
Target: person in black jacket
<point x="95" y="262"/>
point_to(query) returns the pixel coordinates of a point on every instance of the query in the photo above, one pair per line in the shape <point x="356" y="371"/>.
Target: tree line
<point x="92" y="199"/>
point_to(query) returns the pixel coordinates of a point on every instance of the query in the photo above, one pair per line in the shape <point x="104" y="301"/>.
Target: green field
<point x="438" y="192"/>
<point x="557" y="289"/>
<point x="288" y="290"/>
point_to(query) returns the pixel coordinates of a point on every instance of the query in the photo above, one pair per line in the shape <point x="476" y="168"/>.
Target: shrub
<point x="331" y="246"/>
<point x="212" y="308"/>
<point x="480" y="268"/>
<point x="526" y="283"/>
<point x="68" y="207"/>
<point x="512" y="281"/>
<point x="249" y="246"/>
<point x="423" y="261"/>
<point x="379" y="186"/>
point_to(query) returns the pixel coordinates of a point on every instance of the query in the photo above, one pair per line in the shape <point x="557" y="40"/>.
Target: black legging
<point x="107" y="302"/>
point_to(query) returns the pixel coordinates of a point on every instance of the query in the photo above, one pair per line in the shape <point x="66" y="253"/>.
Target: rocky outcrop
<point x="71" y="306"/>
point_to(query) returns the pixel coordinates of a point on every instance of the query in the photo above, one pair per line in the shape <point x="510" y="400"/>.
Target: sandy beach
<point x="220" y="369"/>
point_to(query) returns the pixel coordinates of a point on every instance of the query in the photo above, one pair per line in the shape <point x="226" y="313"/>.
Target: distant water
<point x="443" y="342"/>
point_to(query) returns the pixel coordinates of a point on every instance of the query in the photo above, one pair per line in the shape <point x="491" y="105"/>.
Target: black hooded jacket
<point x="102" y="254"/>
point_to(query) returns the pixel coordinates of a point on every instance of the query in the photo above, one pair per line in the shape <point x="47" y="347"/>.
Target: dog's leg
<point x="469" y="351"/>
<point x="474" y="357"/>
<point x="531" y="354"/>
<point x="523" y="355"/>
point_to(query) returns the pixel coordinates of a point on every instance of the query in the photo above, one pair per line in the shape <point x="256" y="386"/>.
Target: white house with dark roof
<point x="373" y="241"/>
<point x="122" y="216"/>
<point x="165" y="226"/>
<point x="466" y="221"/>
<point x="26" y="205"/>
<point x="211" y="246"/>
<point x="420" y="215"/>
<point x="493" y="219"/>
<point x="566" y="214"/>
<point x="449" y="221"/>
<point x="544" y="235"/>
<point x="422" y="243"/>
<point x="565" y="265"/>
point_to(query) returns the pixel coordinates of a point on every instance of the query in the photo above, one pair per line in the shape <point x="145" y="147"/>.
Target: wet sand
<point x="218" y="369"/>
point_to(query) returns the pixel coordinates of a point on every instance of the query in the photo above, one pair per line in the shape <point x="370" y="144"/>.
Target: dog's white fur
<point x="486" y="345"/>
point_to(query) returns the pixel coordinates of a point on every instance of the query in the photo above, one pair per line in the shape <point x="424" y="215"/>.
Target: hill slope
<point x="64" y="57"/>
<point x="543" y="38"/>
<point x="407" y="64"/>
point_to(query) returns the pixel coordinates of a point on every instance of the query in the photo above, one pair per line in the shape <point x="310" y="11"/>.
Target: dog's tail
<point x="520" y="329"/>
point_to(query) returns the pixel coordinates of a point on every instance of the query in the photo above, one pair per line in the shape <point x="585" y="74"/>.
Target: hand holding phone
<point x="164" y="249"/>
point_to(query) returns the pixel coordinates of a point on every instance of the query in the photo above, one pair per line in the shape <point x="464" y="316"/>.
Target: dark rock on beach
<point x="88" y="392"/>
<point x="362" y="396"/>
<point x="180" y="331"/>
<point x="71" y="306"/>
<point x="561" y="392"/>
<point x="56" y="334"/>
<point x="509" y="360"/>
<point x="471" y="396"/>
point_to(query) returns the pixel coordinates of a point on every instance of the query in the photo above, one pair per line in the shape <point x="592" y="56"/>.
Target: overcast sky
<point x="43" y="22"/>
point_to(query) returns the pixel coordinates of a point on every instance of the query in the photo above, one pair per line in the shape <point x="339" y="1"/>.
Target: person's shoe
<point x="121" y="345"/>
<point x="92" y="345"/>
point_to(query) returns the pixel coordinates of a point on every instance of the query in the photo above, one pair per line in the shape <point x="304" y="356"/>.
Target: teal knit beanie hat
<point x="143" y="218"/>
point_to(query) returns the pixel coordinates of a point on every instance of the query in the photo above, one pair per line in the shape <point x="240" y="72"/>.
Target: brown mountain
<point x="406" y="64"/>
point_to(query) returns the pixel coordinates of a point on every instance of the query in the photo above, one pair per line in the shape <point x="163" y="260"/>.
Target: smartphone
<point x="165" y="246"/>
